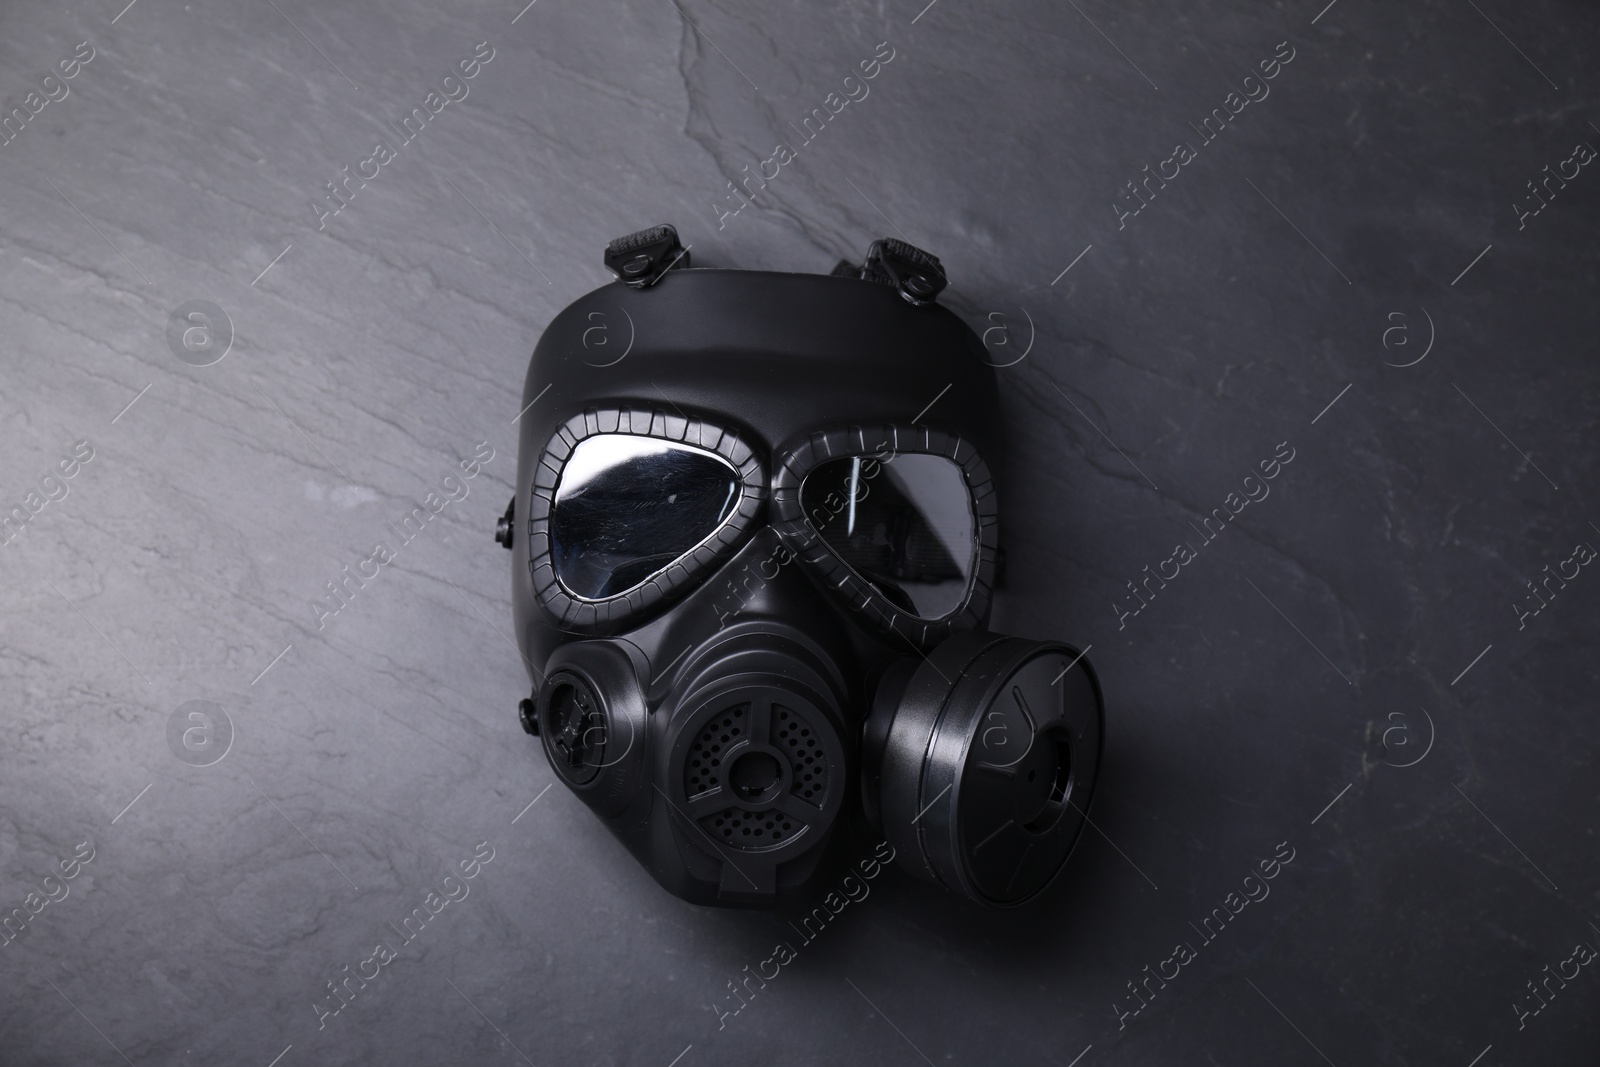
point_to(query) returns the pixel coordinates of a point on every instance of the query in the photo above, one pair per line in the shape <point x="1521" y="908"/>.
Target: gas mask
<point x="754" y="543"/>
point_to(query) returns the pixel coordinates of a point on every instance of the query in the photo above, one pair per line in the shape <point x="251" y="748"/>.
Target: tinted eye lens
<point x="628" y="507"/>
<point x="904" y="523"/>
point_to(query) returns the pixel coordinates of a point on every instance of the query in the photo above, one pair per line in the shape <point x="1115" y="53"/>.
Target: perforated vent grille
<point x="750" y="829"/>
<point x="791" y="733"/>
<point x="704" y="768"/>
<point x="747" y="765"/>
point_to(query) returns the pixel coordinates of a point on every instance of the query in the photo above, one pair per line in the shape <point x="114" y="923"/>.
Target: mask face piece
<point x="751" y="568"/>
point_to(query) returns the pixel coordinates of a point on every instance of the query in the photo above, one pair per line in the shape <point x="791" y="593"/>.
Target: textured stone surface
<point x="1281" y="671"/>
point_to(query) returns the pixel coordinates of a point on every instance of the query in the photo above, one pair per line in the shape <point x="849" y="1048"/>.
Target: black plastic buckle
<point x="640" y="259"/>
<point x="916" y="274"/>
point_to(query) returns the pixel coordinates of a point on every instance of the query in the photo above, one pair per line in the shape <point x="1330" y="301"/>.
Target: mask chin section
<point x="754" y="767"/>
<point x="980" y="761"/>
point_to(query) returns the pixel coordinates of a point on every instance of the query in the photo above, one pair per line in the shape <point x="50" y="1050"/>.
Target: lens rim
<point x="798" y="458"/>
<point x="607" y="615"/>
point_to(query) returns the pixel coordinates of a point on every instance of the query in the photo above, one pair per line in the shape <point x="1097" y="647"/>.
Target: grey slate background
<point x="1303" y="657"/>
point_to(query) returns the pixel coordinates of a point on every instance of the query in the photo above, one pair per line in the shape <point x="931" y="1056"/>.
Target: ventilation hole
<point x="756" y="831"/>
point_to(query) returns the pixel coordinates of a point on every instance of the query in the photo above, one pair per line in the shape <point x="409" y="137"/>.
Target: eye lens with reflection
<point x="903" y="523"/>
<point x="628" y="507"/>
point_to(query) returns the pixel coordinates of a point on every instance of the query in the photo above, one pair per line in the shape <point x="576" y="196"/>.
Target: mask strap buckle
<point x="640" y="259"/>
<point x="917" y="275"/>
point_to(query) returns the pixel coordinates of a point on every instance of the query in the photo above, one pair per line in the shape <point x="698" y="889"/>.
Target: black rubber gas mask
<point x="754" y="542"/>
